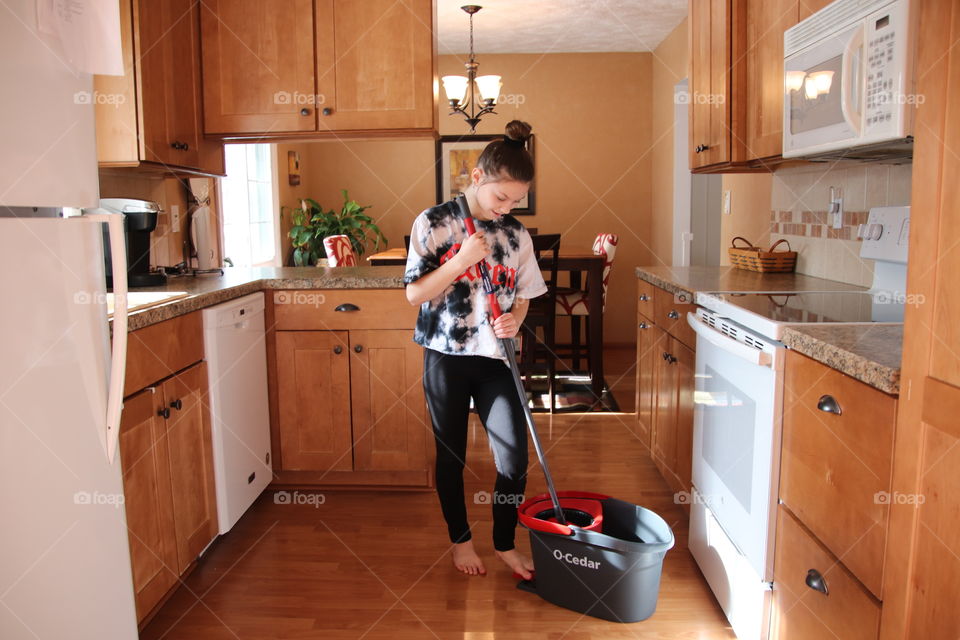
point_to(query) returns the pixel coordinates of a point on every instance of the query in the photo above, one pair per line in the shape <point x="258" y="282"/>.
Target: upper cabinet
<point x="151" y="115"/>
<point x="717" y="77"/>
<point x="282" y="68"/>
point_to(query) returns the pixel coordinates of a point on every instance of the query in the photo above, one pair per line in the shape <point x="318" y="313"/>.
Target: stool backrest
<point x="606" y="245"/>
<point x="339" y="251"/>
<point x="546" y="247"/>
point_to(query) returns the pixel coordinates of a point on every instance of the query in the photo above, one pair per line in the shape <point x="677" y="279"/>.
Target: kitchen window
<point x="249" y="210"/>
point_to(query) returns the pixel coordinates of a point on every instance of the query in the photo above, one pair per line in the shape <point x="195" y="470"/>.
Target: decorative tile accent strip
<point x="814" y="224"/>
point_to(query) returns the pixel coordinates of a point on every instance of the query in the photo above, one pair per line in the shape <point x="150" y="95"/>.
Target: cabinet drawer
<point x="304" y="310"/>
<point x="162" y="349"/>
<point x="670" y="313"/>
<point x="833" y="467"/>
<point x="645" y="295"/>
<point x="800" y="612"/>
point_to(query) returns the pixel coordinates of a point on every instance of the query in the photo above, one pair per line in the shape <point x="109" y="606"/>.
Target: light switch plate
<point x="175" y="218"/>
<point x="894" y="238"/>
<point x="726" y="202"/>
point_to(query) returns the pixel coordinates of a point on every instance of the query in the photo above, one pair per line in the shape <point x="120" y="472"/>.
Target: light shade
<point x="810" y="88"/>
<point x="455" y="87"/>
<point x="822" y="80"/>
<point x="489" y="87"/>
<point x="793" y="81"/>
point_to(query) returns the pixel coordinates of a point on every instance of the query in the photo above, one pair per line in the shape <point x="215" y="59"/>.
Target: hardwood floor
<point x="376" y="564"/>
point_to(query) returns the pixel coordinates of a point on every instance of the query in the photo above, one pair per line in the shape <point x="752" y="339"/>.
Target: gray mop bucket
<point x="613" y="574"/>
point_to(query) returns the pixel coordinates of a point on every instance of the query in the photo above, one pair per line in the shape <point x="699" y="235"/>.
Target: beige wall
<point x="669" y="67"/>
<point x="592" y="159"/>
<point x="749" y="214"/>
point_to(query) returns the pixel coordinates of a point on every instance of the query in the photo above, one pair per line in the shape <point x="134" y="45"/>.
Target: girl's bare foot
<point x="521" y="564"/>
<point x="465" y="559"/>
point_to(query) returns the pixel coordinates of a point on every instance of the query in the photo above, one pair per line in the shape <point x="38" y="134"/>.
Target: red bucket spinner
<point x="582" y="509"/>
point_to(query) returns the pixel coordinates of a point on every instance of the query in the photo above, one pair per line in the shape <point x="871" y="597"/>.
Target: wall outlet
<point x="726" y="202"/>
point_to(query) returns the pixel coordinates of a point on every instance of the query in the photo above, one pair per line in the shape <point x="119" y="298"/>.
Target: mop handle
<point x="506" y="344"/>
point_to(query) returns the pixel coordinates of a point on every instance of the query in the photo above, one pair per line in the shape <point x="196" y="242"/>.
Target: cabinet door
<point x="700" y="81"/>
<point x="389" y="417"/>
<point x="191" y="462"/>
<point x="766" y="22"/>
<point x="375" y="64"/>
<point x="313" y="382"/>
<point x="649" y="347"/>
<point x="665" y="433"/>
<point x="167" y="47"/>
<point x="148" y="503"/>
<point x="685" y="368"/>
<point x="258" y="66"/>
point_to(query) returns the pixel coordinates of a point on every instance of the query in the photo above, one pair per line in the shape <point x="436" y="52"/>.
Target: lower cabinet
<point x="169" y="496"/>
<point x="665" y="381"/>
<point x="350" y="399"/>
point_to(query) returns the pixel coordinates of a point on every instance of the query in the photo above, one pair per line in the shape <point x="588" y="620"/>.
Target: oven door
<point x="824" y="95"/>
<point x="736" y="437"/>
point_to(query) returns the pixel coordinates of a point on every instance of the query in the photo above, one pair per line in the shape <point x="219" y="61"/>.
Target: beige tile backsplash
<point x="799" y="202"/>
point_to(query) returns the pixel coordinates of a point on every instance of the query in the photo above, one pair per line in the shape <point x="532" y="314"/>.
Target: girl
<point x="462" y="356"/>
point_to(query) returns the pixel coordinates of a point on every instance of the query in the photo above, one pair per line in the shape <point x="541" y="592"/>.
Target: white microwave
<point x="848" y="82"/>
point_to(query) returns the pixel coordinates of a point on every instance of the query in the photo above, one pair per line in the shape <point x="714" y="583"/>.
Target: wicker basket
<point x="753" y="258"/>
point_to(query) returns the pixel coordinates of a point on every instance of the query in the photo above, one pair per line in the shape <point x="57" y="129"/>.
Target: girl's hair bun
<point x="518" y="130"/>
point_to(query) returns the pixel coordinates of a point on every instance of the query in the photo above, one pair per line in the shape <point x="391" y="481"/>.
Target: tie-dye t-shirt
<point x="457" y="321"/>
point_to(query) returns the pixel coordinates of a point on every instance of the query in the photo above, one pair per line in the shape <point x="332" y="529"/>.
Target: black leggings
<point x="449" y="382"/>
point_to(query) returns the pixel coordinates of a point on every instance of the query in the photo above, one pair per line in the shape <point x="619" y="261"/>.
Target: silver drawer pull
<point x="673" y="315"/>
<point x="828" y="404"/>
<point x="643" y="325"/>
<point x="644" y="297"/>
<point x="816" y="582"/>
<point x="347" y="306"/>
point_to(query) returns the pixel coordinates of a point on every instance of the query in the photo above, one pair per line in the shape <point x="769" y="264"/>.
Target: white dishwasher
<point x="236" y="354"/>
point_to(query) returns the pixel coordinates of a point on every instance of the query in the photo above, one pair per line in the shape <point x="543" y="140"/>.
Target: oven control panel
<point x="886" y="234"/>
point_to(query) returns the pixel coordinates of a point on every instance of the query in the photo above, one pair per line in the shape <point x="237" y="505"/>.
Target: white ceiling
<point x="556" y="26"/>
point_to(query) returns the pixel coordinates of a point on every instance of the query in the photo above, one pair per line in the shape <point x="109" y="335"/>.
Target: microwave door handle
<point x="851" y="75"/>
<point x="714" y="337"/>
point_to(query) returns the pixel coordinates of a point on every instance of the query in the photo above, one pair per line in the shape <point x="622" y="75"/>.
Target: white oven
<point x="848" y="82"/>
<point x="735" y="466"/>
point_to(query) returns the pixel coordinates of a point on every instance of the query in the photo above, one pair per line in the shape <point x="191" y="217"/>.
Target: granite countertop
<point x="208" y="290"/>
<point x="869" y="353"/>
<point x="719" y="279"/>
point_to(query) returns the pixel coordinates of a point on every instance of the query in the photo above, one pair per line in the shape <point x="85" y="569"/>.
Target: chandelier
<point x="462" y="91"/>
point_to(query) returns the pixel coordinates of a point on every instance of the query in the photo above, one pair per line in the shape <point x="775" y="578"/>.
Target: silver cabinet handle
<point x="346" y="306"/>
<point x="643" y="325"/>
<point x="644" y="297"/>
<point x="816" y="582"/>
<point x="673" y="315"/>
<point x="829" y="404"/>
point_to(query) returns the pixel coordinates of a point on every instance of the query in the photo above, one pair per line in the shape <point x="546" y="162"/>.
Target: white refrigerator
<point x="64" y="555"/>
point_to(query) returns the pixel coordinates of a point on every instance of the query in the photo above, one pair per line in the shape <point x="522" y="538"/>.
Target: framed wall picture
<point x="293" y="167"/>
<point x="457" y="156"/>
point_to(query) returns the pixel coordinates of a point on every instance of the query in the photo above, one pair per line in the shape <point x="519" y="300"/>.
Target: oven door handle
<point x="714" y="337"/>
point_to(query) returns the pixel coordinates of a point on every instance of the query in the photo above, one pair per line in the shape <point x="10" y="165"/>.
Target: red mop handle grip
<point x="484" y="274"/>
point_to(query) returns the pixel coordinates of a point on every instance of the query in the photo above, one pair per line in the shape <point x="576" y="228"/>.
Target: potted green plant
<point x="311" y="224"/>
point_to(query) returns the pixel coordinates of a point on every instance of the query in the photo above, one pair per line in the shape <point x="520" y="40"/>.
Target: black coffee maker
<point x="139" y="219"/>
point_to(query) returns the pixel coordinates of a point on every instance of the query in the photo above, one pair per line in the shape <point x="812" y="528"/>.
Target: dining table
<point x="576" y="262"/>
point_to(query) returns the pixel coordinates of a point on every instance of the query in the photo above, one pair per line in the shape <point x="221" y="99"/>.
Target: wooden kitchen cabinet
<point x="348" y="380"/>
<point x="766" y="22"/>
<point x="665" y="381"/>
<point x="166" y="456"/>
<point x="147" y="500"/>
<point x="835" y="468"/>
<point x="276" y="68"/>
<point x="846" y="610"/>
<point x="151" y="116"/>
<point x="717" y="81"/>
